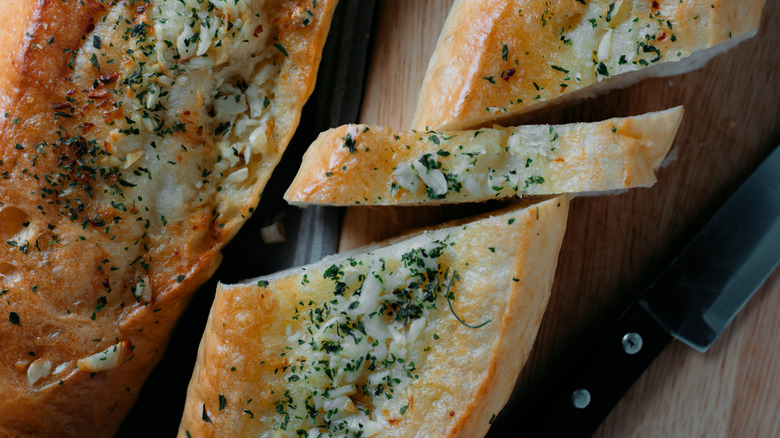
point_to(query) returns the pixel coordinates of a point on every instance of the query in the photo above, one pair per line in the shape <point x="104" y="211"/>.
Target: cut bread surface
<point x="137" y="138"/>
<point x="496" y="60"/>
<point x="423" y="335"/>
<point x="360" y="164"/>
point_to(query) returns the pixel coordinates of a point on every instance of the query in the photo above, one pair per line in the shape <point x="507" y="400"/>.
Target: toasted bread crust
<point x="238" y="366"/>
<point x="84" y="273"/>
<point x="497" y="60"/>
<point x="358" y="164"/>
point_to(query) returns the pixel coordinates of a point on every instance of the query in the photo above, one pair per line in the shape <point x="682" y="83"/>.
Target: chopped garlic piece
<point x="433" y="178"/>
<point x="132" y="158"/>
<point x="37" y="370"/>
<point x="605" y="46"/>
<point x="405" y="177"/>
<point x="106" y="359"/>
<point x="207" y="34"/>
<point x="230" y="105"/>
<point x="237" y="176"/>
<point x="415" y="328"/>
<point x="184" y="44"/>
<point x="142" y="290"/>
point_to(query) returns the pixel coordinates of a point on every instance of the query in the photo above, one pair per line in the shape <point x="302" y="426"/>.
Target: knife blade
<point x="693" y="300"/>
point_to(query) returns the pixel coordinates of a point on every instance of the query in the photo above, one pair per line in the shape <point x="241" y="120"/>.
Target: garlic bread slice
<point x="420" y="336"/>
<point x="496" y="59"/>
<point x="359" y="164"/>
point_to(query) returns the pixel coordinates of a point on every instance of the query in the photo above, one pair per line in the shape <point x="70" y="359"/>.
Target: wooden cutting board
<point x="615" y="245"/>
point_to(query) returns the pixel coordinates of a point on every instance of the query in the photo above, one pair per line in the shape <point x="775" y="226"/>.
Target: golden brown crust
<point x="359" y="164"/>
<point x="496" y="60"/>
<point x="239" y="377"/>
<point x="86" y="263"/>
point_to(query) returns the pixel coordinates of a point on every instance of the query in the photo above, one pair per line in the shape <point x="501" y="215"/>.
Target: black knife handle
<point x="605" y="372"/>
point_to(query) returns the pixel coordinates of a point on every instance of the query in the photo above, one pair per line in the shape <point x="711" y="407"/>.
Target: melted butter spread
<point x="352" y="359"/>
<point x="186" y="92"/>
<point x="486" y="162"/>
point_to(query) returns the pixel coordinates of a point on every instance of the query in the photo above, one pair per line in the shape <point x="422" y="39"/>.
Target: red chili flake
<point x="655" y="5"/>
<point x="452" y="413"/>
<point x="86" y="126"/>
<point x="508" y="74"/>
<point x="98" y="94"/>
<point x="108" y="78"/>
<point x="258" y="30"/>
<point x="114" y="114"/>
<point x="661" y="37"/>
<point x="61" y="106"/>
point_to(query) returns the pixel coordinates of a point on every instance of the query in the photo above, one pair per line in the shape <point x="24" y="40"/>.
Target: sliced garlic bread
<point x="359" y="164"/>
<point x="420" y="336"/>
<point x="136" y="139"/>
<point x="496" y="59"/>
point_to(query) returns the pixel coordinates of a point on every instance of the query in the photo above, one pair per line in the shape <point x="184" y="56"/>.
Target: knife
<point x="692" y="301"/>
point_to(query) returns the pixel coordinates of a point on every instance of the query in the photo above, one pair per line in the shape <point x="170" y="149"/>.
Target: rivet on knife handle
<point x="576" y="408"/>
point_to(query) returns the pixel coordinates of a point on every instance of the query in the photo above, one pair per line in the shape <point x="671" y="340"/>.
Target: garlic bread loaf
<point x="420" y="336"/>
<point x="497" y="60"/>
<point x="359" y="164"/>
<point x="135" y="139"/>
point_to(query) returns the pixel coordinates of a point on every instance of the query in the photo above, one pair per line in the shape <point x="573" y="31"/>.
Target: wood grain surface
<point x="615" y="245"/>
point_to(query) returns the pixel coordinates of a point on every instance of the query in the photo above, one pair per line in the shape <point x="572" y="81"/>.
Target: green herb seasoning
<point x="352" y="347"/>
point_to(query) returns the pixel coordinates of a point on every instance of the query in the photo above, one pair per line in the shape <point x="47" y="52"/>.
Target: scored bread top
<point x="359" y="164"/>
<point x="496" y="60"/>
<point x="420" y="336"/>
<point x="135" y="139"/>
